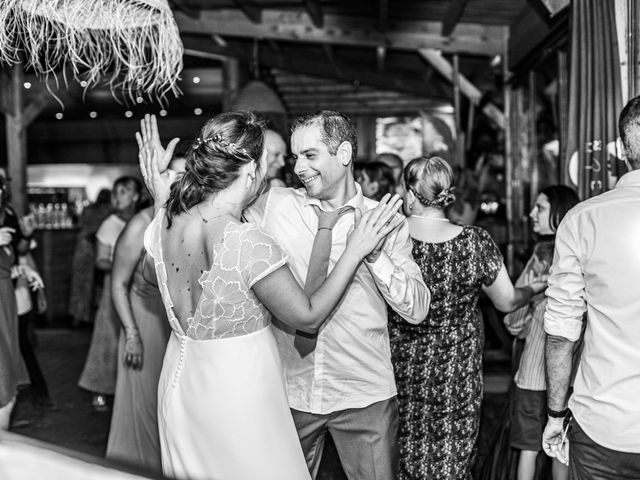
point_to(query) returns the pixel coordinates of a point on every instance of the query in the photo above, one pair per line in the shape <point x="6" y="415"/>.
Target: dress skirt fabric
<point x="10" y="357"/>
<point x="233" y="390"/>
<point x="101" y="366"/>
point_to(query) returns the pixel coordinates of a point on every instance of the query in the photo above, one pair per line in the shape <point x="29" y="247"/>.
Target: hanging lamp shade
<point x="257" y="96"/>
<point x="133" y="45"/>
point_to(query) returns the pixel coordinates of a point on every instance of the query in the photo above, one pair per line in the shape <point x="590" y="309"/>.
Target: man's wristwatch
<point x="556" y="413"/>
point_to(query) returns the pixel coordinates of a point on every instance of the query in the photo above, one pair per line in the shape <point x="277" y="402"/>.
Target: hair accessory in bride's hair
<point x="220" y="140"/>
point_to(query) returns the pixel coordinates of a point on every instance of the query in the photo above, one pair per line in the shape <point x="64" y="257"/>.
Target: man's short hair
<point x="335" y="128"/>
<point x="629" y="128"/>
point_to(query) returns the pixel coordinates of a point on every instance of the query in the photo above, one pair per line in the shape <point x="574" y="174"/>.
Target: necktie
<point x="304" y="342"/>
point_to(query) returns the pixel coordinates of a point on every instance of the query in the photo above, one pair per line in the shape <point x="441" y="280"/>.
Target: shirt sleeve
<point x="107" y="233"/>
<point x="490" y="258"/>
<point x="399" y="278"/>
<point x="260" y="255"/>
<point x="565" y="294"/>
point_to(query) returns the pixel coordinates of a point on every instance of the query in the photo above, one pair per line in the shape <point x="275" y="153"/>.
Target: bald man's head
<point x="276" y="152"/>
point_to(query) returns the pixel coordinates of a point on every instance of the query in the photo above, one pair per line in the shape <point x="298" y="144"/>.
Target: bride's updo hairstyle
<point x="430" y="180"/>
<point x="226" y="143"/>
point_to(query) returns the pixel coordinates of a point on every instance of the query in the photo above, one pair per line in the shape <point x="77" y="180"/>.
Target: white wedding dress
<point x="222" y="408"/>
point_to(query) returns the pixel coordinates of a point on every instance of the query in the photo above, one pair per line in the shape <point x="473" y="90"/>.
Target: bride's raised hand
<point x="158" y="183"/>
<point x="149" y="142"/>
<point x="372" y="227"/>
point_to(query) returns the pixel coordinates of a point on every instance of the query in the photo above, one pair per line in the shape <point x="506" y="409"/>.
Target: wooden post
<point x="16" y="139"/>
<point x="230" y="82"/>
<point x="509" y="160"/>
<point x="17" y="119"/>
<point x="457" y="113"/>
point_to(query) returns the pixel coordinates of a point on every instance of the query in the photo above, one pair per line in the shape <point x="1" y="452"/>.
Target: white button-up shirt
<point x="597" y="267"/>
<point x="351" y="365"/>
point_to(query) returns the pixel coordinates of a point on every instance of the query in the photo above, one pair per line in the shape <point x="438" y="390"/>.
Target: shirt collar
<point x="629" y="179"/>
<point x="357" y="201"/>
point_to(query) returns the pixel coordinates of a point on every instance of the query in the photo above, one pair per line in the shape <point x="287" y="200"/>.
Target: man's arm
<point x="563" y="325"/>
<point x="558" y="362"/>
<point x="399" y="278"/>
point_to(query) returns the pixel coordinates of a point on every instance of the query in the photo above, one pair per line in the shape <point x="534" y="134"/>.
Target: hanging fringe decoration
<point x="133" y="46"/>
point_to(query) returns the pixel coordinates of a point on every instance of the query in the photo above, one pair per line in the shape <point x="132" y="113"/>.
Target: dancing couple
<point x="225" y="408"/>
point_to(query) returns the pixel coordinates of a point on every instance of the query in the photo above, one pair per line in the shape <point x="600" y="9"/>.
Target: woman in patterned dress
<point x="438" y="362"/>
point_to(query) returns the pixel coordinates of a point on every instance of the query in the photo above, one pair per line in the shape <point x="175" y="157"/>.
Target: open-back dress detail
<point x="222" y="406"/>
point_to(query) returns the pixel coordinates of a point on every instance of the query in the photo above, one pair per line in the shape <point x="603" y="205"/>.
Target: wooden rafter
<point x="315" y="12"/>
<point x="452" y="16"/>
<point x="467" y="88"/>
<point x="340" y="30"/>
<point x="253" y="13"/>
<point x="328" y="52"/>
<point x="190" y="11"/>
<point x="351" y="72"/>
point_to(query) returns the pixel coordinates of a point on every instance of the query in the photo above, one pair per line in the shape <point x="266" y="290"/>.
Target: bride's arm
<point x="282" y="295"/>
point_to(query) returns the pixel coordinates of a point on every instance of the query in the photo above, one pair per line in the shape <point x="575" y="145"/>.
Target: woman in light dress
<point x="100" y="368"/>
<point x="222" y="406"/>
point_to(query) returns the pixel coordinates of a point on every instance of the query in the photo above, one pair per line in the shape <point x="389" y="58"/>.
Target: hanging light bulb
<point x="256" y="95"/>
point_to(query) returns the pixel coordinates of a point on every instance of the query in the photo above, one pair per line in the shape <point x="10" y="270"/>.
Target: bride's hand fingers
<point x="389" y="227"/>
<point x="155" y="135"/>
<point x="383" y="213"/>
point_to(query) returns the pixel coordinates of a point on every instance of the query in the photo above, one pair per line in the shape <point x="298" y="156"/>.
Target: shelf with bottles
<point x="53" y="216"/>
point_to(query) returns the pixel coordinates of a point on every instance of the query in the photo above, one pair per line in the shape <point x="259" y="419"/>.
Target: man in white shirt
<point x="597" y="268"/>
<point x="346" y="385"/>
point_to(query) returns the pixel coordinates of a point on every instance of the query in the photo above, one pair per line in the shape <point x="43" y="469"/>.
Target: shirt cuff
<point x="566" y="328"/>
<point x="382" y="268"/>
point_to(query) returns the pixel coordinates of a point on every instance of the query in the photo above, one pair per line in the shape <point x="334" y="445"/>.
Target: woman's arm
<point x="286" y="300"/>
<point x="31" y="275"/>
<point x="125" y="259"/>
<point x="506" y="297"/>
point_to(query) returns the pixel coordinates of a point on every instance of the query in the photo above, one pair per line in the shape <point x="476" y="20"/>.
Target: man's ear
<point x="622" y="152"/>
<point x="344" y="153"/>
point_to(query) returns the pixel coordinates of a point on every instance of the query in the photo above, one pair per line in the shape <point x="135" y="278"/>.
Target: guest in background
<point x="133" y="437"/>
<point x="26" y="313"/>
<point x="276" y="154"/>
<point x="375" y="178"/>
<point x="10" y="358"/>
<point x="438" y="363"/>
<point x="395" y="162"/>
<point x="529" y="413"/>
<point x="83" y="279"/>
<point x="99" y="373"/>
<point x="596" y="269"/>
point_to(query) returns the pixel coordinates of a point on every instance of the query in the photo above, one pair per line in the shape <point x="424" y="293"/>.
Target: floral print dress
<point x="438" y="363"/>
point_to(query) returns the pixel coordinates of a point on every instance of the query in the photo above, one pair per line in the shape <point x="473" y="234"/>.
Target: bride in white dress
<point x="222" y="407"/>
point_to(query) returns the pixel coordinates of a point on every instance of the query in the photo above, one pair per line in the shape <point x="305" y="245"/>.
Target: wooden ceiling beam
<point x="315" y="12"/>
<point x="452" y="17"/>
<point x="328" y="52"/>
<point x="486" y="40"/>
<point x="351" y="72"/>
<point x="253" y="13"/>
<point x="468" y="89"/>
